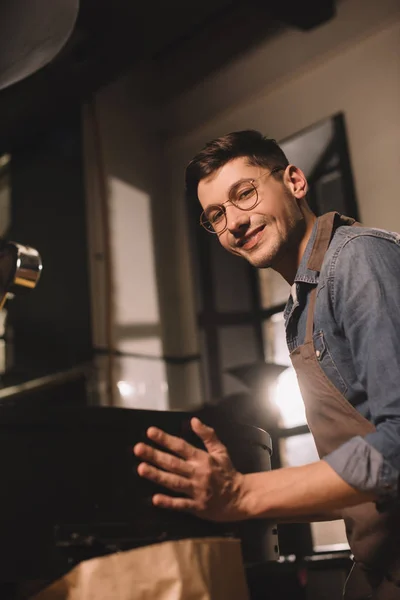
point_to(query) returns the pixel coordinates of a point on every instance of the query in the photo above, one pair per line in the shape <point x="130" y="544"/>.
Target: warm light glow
<point x="287" y="398"/>
<point x="129" y="390"/>
<point x="4" y="160"/>
<point x="125" y="389"/>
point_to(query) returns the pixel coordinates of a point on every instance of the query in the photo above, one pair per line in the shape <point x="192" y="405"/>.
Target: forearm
<point x="298" y="493"/>
<point x="331" y="515"/>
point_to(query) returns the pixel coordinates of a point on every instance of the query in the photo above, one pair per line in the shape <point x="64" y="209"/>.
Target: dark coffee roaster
<point x="70" y="488"/>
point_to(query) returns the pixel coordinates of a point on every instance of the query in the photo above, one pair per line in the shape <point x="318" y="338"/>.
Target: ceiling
<point x="187" y="42"/>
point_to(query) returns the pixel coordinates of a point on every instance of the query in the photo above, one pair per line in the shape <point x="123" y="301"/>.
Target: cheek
<point x="224" y="241"/>
<point x="283" y="211"/>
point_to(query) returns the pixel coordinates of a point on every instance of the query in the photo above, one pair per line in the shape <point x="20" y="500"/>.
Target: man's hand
<point x="210" y="486"/>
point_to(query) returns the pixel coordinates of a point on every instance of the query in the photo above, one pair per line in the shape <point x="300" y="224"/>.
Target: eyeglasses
<point x="243" y="195"/>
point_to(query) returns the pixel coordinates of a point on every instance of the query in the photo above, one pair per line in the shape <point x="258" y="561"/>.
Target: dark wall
<point x="52" y="323"/>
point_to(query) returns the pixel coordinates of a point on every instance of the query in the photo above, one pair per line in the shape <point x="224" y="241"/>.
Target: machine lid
<point x="32" y="32"/>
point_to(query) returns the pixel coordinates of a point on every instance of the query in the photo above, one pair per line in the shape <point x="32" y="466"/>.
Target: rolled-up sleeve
<point x="365" y="295"/>
<point x="364" y="468"/>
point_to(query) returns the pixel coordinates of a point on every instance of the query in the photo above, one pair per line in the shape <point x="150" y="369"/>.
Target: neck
<point x="288" y="264"/>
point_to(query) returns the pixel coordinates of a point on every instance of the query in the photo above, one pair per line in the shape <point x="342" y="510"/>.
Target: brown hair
<point x="258" y="149"/>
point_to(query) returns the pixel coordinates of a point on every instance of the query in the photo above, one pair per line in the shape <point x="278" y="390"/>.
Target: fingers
<point x="164" y="460"/>
<point x="208" y="436"/>
<point x="173" y="482"/>
<point x="172" y="443"/>
<point x="185" y="504"/>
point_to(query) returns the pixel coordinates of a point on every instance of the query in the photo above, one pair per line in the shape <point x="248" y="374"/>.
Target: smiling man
<point x="342" y="326"/>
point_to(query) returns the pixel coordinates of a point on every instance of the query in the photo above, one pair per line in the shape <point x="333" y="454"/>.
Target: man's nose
<point x="237" y="220"/>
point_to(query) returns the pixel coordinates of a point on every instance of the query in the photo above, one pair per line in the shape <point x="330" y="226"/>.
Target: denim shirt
<point x="357" y="341"/>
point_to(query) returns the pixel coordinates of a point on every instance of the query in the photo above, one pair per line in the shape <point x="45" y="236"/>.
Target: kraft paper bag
<point x="192" y="569"/>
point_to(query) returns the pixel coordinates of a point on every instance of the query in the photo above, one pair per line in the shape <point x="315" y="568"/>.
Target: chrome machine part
<point x="20" y="269"/>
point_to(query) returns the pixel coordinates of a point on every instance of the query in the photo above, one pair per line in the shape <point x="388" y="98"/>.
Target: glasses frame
<point x="222" y="205"/>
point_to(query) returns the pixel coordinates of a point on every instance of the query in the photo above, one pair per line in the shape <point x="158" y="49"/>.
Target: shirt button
<point x="317" y="353"/>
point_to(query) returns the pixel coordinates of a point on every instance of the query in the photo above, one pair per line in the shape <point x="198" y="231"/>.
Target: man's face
<point x="270" y="230"/>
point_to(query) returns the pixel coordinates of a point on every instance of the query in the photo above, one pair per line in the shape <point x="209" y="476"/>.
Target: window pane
<point x="238" y="346"/>
<point x="274" y="290"/>
<point x="327" y="536"/>
<point x="231" y="280"/>
<point x="288" y="400"/>
<point x="306" y="148"/>
<point x="275" y="347"/>
<point x="297" y="450"/>
<point x="142" y="383"/>
<point x="330" y="194"/>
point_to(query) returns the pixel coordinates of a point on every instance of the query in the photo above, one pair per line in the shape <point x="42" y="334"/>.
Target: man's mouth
<point x="251" y="239"/>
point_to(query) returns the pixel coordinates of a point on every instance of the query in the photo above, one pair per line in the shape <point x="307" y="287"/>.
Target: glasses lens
<point x="214" y="219"/>
<point x="244" y="195"/>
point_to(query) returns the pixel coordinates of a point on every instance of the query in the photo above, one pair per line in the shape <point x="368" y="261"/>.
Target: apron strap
<point x="310" y="316"/>
<point x="326" y="225"/>
<point x="325" y="228"/>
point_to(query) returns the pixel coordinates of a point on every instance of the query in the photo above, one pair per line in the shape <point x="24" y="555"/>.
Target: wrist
<point x="247" y="503"/>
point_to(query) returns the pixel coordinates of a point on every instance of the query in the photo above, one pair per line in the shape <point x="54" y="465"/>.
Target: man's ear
<point x="296" y="181"/>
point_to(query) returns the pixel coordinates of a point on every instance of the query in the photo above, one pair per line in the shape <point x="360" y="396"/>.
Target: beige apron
<point x="374" y="537"/>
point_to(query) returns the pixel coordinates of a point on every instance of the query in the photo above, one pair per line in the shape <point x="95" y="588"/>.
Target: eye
<point x="215" y="215"/>
<point x="243" y="194"/>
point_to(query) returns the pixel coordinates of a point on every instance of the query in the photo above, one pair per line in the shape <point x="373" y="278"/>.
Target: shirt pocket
<point x="328" y="365"/>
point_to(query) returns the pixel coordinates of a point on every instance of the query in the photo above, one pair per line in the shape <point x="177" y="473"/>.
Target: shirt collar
<point x="304" y="274"/>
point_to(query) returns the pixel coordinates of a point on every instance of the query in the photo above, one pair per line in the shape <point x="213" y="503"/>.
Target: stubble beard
<point x="281" y="247"/>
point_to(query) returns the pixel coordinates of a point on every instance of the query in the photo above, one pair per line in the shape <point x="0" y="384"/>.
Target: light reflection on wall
<point x="298" y="449"/>
<point x="138" y="365"/>
<point x="142" y="381"/>
<point x="287" y="398"/>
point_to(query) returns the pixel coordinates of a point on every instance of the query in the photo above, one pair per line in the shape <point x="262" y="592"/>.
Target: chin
<point x="259" y="262"/>
<point x="260" y="258"/>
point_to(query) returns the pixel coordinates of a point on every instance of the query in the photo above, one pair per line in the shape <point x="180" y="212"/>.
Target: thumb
<point x="208" y="436"/>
